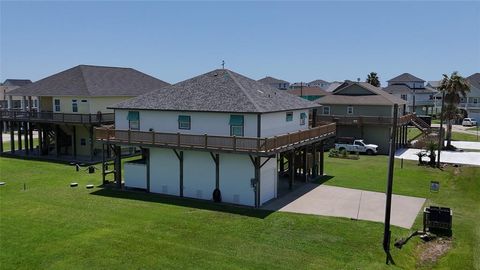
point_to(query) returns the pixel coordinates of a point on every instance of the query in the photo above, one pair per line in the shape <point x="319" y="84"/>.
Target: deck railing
<point x="366" y="120"/>
<point x="227" y="143"/>
<point x="51" y="117"/>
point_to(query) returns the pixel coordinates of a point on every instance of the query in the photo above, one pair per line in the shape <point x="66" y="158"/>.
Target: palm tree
<point x="372" y="79"/>
<point x="454" y="88"/>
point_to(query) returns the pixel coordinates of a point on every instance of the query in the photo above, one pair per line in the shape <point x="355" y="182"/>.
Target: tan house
<point x="71" y="103"/>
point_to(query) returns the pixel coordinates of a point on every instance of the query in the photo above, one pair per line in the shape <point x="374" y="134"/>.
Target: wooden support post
<point x="305" y="164"/>
<point x="118" y="166"/>
<point x="291" y="168"/>
<point x="12" y="137"/>
<point x="30" y="135"/>
<point x="282" y="163"/>
<point x="90" y="132"/>
<point x="57" y="140"/>
<point x="257" y="181"/>
<point x="180" y="159"/>
<point x="75" y="143"/>
<point x="19" y="135"/>
<point x="40" y="140"/>
<point x="103" y="164"/>
<point x="217" y="171"/>
<point x="405" y="135"/>
<point x="321" y="158"/>
<point x="25" y="131"/>
<point x="314" y="161"/>
<point x="1" y="137"/>
<point x="314" y="118"/>
<point x="147" y="162"/>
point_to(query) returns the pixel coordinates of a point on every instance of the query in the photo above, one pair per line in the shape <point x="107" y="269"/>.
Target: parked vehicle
<point x="352" y="145"/>
<point x="469" y="122"/>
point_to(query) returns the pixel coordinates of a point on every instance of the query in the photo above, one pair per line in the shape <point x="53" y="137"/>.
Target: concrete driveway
<point x="349" y="203"/>
<point x="467" y="158"/>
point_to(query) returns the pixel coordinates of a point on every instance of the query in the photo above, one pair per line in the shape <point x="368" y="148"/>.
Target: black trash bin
<point x="438" y="220"/>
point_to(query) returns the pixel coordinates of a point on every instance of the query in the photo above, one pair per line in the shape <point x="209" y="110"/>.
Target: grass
<point x="6" y="145"/>
<point x="458" y="136"/>
<point x="413" y="133"/>
<point x="50" y="225"/>
<point x="474" y="128"/>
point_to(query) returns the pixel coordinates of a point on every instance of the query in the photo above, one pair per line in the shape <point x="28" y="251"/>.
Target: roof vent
<point x="215" y="74"/>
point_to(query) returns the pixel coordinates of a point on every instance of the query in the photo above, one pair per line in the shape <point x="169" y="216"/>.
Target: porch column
<point x="405" y="135"/>
<point x="291" y="168"/>
<point x="314" y="117"/>
<point x="181" y="173"/>
<point x="25" y="131"/>
<point x="321" y="159"/>
<point x="90" y="131"/>
<point x="23" y="103"/>
<point x="118" y="166"/>
<point x="30" y="135"/>
<point x="282" y="164"/>
<point x="314" y="161"/>
<point x="1" y="137"/>
<point x="12" y="137"/>
<point x="30" y="103"/>
<point x="75" y="142"/>
<point x="10" y="102"/>
<point x="305" y="164"/>
<point x="57" y="140"/>
<point x="19" y="135"/>
<point x="40" y="140"/>
<point x="257" y="181"/>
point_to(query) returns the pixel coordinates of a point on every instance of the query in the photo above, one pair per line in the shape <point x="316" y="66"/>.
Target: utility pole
<point x="440" y="132"/>
<point x="388" y="204"/>
<point x="223" y="64"/>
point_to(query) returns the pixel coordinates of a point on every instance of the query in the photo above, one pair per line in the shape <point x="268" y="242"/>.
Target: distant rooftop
<point x="16" y="82"/>
<point x="405" y="77"/>
<point x="86" y="80"/>
<point x="271" y="80"/>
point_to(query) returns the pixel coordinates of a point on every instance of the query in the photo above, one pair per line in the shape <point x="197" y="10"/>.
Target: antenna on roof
<point x="358" y="79"/>
<point x="223" y="64"/>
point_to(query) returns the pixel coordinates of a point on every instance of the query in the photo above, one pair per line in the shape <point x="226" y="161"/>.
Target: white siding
<point x="268" y="180"/>
<point x="135" y="175"/>
<point x="236" y="171"/>
<point x="198" y="175"/>
<point x="164" y="171"/>
<point x="276" y="123"/>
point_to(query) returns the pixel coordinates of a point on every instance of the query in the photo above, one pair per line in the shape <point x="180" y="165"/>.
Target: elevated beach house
<point x="218" y="136"/>
<point x="70" y="104"/>
<point x="363" y="111"/>
<point x="275" y="83"/>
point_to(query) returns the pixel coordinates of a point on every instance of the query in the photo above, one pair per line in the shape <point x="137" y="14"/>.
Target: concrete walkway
<point x="466" y="145"/>
<point x="466" y="158"/>
<point x="349" y="203"/>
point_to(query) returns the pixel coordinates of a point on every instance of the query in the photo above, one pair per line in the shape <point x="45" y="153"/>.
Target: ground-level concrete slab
<point x="349" y="203"/>
<point x="467" y="158"/>
<point x="466" y="145"/>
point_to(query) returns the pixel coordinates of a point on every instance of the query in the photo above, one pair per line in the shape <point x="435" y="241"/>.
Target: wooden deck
<point x="217" y="143"/>
<point x="51" y="117"/>
<point x="366" y="120"/>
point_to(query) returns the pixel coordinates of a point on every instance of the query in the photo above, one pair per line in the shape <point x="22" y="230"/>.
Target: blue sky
<point x="289" y="40"/>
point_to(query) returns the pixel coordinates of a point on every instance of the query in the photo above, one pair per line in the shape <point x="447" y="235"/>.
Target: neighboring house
<point x="217" y="131"/>
<point x="470" y="105"/>
<point x="275" y="83"/>
<point x="71" y="103"/>
<point x="309" y="93"/>
<point x="420" y="99"/>
<point x="319" y="83"/>
<point x="333" y="85"/>
<point x="361" y="111"/>
<point x="9" y="85"/>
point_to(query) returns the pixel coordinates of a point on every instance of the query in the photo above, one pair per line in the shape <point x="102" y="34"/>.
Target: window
<point x="184" y="122"/>
<point x="475" y="101"/>
<point x="350" y="110"/>
<point x="84" y="100"/>
<point x="236" y="125"/>
<point x="326" y="110"/>
<point x="56" y="102"/>
<point x="303" y="116"/>
<point x="74" y="105"/>
<point x="289" y="116"/>
<point x="133" y="120"/>
<point x="83" y="142"/>
<point x="404" y="96"/>
<point x="35" y="103"/>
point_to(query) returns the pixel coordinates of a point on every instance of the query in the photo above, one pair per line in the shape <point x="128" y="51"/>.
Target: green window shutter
<point x="289" y="116"/>
<point x="303" y="115"/>
<point x="236" y="120"/>
<point x="133" y="116"/>
<point x="184" y="118"/>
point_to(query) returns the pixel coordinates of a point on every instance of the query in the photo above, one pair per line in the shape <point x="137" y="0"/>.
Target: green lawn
<point x="52" y="226"/>
<point x="413" y="133"/>
<point x="474" y="128"/>
<point x="458" y="136"/>
<point x="6" y="145"/>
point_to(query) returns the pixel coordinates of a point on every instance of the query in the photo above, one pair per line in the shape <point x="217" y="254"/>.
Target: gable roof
<point x="271" y="80"/>
<point x="397" y="89"/>
<point x="319" y="81"/>
<point x="474" y="80"/>
<point x="16" y="82"/>
<point x="406" y="77"/>
<point x="219" y="90"/>
<point x="308" y="91"/>
<point x="85" y="80"/>
<point x="377" y="96"/>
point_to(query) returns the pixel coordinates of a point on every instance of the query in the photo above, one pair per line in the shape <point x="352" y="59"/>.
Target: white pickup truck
<point x="357" y="146"/>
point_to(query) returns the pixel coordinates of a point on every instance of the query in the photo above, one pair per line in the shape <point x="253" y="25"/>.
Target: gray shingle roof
<point x="84" y="80"/>
<point x="406" y="77"/>
<point x="474" y="80"/>
<point x="219" y="90"/>
<point x="271" y="80"/>
<point x="319" y="81"/>
<point x="16" y="82"/>
<point x="377" y="96"/>
<point x="397" y="89"/>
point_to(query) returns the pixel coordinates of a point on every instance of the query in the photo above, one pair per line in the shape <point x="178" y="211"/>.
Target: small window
<point x="184" y="122"/>
<point x="404" y="97"/>
<point x="84" y="100"/>
<point x="326" y="110"/>
<point x="289" y="116"/>
<point x="303" y="116"/>
<point x="35" y="103"/>
<point x="57" y="104"/>
<point x="133" y="120"/>
<point x="236" y="125"/>
<point x="83" y="142"/>
<point x="74" y="105"/>
<point x="475" y="101"/>
<point x="350" y="110"/>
